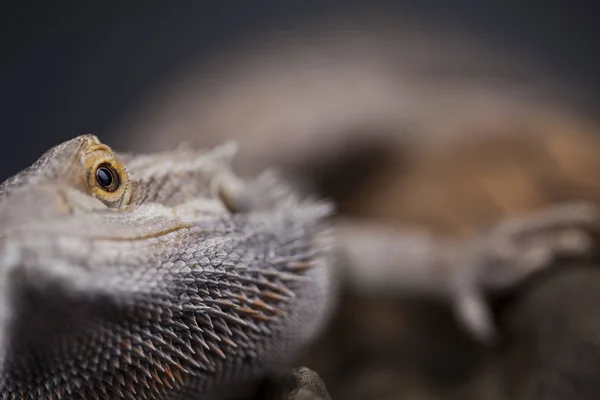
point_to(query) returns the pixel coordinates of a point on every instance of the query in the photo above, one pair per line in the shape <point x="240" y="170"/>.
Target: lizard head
<point x="83" y="164"/>
<point x="153" y="276"/>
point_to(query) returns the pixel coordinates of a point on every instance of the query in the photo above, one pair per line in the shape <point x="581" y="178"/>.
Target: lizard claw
<point x="476" y="317"/>
<point x="515" y="250"/>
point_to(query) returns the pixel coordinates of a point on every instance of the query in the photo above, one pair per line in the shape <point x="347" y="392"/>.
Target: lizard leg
<point x="381" y="259"/>
<point x="308" y="386"/>
<point x="298" y="384"/>
<point x="515" y="250"/>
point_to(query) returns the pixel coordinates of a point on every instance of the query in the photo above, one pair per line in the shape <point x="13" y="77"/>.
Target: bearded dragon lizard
<point x="166" y="276"/>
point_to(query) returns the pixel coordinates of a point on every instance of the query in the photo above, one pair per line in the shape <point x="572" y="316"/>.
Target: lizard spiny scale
<point x="166" y="288"/>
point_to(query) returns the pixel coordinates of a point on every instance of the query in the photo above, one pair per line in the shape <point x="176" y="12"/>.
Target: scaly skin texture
<point x="166" y="276"/>
<point x="184" y="282"/>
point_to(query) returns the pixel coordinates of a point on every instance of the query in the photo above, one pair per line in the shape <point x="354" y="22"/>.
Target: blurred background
<point x="449" y="116"/>
<point x="69" y="67"/>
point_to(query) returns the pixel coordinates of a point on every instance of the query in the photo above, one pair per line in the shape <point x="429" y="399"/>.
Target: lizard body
<point x="407" y="124"/>
<point x="154" y="287"/>
<point x="166" y="276"/>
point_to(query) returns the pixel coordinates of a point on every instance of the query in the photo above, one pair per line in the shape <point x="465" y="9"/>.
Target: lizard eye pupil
<point x="107" y="178"/>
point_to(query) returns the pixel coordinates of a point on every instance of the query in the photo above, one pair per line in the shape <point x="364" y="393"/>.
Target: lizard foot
<point x="299" y="384"/>
<point x="515" y="250"/>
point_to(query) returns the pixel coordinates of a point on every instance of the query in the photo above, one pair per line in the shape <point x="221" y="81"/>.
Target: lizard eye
<point x="107" y="178"/>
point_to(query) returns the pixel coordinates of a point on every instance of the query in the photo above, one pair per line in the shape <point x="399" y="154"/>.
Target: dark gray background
<point x="71" y="67"/>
